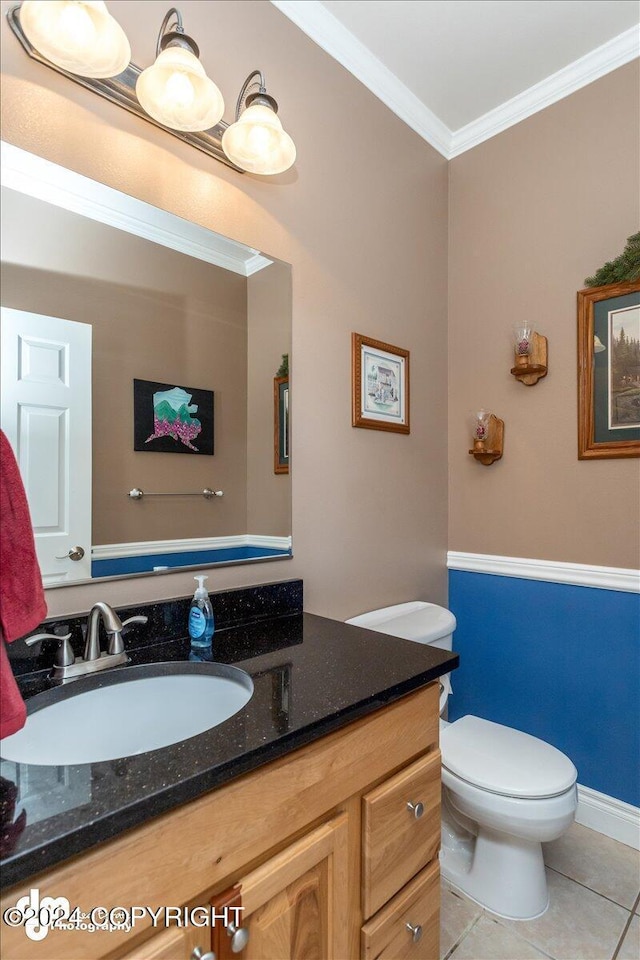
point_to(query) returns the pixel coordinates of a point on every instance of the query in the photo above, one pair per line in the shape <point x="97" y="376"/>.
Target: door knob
<point x="197" y="954"/>
<point x="415" y="931"/>
<point x="76" y="553"/>
<point x="416" y="808"/>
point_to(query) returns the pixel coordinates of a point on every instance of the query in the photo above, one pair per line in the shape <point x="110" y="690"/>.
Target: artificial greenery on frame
<point x="624" y="269"/>
<point x="283" y="369"/>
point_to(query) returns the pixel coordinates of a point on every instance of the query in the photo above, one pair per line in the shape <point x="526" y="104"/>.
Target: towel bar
<point x="208" y="494"/>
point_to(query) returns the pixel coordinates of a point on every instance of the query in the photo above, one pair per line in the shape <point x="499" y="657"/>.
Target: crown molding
<point x="36" y="177"/>
<point x="326" y="30"/>
<point x="334" y="38"/>
<point x="611" y="55"/>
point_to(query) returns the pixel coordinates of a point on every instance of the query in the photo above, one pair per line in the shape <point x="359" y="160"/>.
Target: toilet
<point x="505" y="793"/>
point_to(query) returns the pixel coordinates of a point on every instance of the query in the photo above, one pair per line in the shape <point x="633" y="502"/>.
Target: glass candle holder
<point x="523" y="340"/>
<point x="481" y="425"/>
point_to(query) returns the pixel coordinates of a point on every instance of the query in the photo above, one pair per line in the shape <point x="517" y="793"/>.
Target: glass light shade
<point x="177" y="93"/>
<point x="257" y="143"/>
<point x="481" y="424"/>
<point x="523" y="340"/>
<point x="80" y="37"/>
<point x="598" y="346"/>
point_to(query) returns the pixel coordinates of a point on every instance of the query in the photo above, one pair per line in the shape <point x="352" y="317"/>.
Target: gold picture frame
<point x="380" y="385"/>
<point x="281" y="424"/>
<point x="609" y="371"/>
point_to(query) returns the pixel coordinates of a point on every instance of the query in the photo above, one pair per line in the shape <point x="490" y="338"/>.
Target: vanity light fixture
<point x="84" y="43"/>
<point x="530" y="355"/>
<point x="488" y="437"/>
<point x="598" y="345"/>
<point x="176" y="91"/>
<point x="257" y="141"/>
<point x="80" y="37"/>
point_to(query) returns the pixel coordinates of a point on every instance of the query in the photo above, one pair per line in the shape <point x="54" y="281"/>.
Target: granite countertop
<point x="311" y="676"/>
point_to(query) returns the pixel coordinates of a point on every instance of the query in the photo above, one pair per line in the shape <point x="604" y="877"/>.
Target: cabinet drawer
<point x="396" y="844"/>
<point x="172" y="944"/>
<point x="387" y="935"/>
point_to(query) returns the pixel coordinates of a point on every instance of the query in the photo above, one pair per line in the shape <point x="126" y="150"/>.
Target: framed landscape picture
<point x="380" y="385"/>
<point x="609" y="371"/>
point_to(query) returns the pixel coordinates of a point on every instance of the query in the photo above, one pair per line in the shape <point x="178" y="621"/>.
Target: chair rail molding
<point x="578" y="574"/>
<point x="146" y="548"/>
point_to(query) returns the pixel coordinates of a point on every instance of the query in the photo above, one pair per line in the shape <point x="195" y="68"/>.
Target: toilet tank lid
<point x="505" y="761"/>
<point x="417" y="620"/>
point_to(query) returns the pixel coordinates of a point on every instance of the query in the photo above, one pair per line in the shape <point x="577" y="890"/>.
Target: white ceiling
<point x="459" y="71"/>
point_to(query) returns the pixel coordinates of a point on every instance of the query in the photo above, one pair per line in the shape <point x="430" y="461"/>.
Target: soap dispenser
<point x="201" y="623"/>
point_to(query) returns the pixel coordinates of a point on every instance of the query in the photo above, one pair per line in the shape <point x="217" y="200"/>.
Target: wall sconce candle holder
<point x="530" y="356"/>
<point x="488" y="438"/>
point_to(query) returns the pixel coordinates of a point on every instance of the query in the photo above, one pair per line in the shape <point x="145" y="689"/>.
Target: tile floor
<point x="594" y="886"/>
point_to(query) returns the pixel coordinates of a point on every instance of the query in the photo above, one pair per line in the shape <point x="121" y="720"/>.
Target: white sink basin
<point x="127" y="711"/>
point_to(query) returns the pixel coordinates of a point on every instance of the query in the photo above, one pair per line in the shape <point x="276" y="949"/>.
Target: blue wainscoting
<point x="145" y="563"/>
<point x="558" y="661"/>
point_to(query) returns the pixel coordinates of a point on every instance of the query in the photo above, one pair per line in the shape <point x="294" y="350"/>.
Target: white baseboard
<point x="614" y="818"/>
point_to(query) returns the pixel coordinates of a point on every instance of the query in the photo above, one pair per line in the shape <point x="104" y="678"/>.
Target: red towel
<point x="22" y="603"/>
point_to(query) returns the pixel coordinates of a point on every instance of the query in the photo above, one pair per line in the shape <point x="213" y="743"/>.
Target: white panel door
<point x="46" y="415"/>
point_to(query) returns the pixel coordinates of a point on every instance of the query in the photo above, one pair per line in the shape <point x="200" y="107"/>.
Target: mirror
<point x="101" y="292"/>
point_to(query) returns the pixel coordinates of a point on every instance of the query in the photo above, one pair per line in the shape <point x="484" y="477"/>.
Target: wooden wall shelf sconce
<point x="490" y="449"/>
<point x="529" y="368"/>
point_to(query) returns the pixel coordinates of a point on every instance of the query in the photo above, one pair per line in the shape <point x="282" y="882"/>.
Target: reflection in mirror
<point x="90" y="304"/>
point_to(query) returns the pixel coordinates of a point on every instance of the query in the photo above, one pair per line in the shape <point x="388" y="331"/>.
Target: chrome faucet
<point x="114" y="627"/>
<point x="66" y="667"/>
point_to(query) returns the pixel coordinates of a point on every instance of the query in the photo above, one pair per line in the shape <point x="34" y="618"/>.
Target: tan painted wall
<point x="533" y="212"/>
<point x="362" y="217"/>
<point x="156" y="315"/>
<point x="269" y="337"/>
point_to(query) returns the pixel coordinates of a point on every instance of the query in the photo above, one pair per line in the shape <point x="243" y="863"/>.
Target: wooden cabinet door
<point x="296" y="904"/>
<point x="172" y="944"/>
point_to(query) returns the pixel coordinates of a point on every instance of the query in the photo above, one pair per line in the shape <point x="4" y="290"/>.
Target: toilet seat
<point x="505" y="761"/>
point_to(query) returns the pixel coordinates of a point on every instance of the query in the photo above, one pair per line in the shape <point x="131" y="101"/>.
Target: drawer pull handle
<point x="415" y="931"/>
<point x="416" y="808"/>
<point x="199" y="955"/>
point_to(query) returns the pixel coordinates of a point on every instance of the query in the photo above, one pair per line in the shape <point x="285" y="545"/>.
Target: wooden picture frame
<point x="281" y="424"/>
<point x="609" y="371"/>
<point x="380" y="385"/>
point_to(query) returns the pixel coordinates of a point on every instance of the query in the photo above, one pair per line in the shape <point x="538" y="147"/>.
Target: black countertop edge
<point x="334" y="659"/>
<point x="83" y="839"/>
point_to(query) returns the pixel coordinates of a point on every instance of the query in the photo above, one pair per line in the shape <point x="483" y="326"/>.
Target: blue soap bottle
<point x="201" y="623"/>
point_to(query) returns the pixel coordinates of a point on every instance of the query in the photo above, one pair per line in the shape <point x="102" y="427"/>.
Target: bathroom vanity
<point x="310" y="819"/>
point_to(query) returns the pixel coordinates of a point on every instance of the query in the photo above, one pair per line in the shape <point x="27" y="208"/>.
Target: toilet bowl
<point x="504" y="792"/>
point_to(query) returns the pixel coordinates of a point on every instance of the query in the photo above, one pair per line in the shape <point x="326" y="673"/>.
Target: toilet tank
<point x="418" y="621"/>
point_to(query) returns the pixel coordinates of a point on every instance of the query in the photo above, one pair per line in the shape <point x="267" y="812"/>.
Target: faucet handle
<point x="139" y="619"/>
<point x="116" y="644"/>
<point x="64" y="654"/>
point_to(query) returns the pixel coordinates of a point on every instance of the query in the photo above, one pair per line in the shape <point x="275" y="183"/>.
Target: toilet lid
<point x="505" y="761"/>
